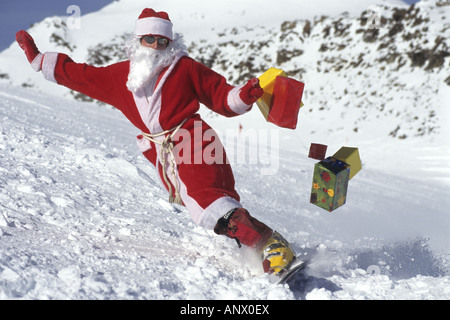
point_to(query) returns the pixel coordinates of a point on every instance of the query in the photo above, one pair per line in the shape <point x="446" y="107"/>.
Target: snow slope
<point x="83" y="216"/>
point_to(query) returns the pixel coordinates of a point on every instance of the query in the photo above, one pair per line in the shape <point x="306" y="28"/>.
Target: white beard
<point x="146" y="63"/>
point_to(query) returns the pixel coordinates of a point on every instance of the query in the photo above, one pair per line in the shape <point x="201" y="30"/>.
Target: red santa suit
<point x="206" y="189"/>
<point x="186" y="152"/>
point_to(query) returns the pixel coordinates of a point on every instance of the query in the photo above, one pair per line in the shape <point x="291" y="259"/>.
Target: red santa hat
<point x="154" y="23"/>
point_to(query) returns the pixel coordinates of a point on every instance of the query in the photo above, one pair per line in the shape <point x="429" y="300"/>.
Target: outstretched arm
<point x="95" y="82"/>
<point x="214" y="92"/>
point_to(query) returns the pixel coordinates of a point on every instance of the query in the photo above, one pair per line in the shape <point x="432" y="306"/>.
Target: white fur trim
<point x="208" y="218"/>
<point x="49" y="65"/>
<point x="37" y="61"/>
<point x="143" y="144"/>
<point x="235" y="102"/>
<point x="205" y="217"/>
<point x="154" y="25"/>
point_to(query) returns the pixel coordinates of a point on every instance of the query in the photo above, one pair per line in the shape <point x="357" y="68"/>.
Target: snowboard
<point x="294" y="268"/>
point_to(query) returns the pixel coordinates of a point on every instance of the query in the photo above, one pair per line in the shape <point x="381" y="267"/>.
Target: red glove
<point x="251" y="92"/>
<point x="26" y="42"/>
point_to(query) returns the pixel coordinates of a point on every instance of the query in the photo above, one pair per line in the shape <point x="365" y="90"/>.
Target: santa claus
<point x="160" y="89"/>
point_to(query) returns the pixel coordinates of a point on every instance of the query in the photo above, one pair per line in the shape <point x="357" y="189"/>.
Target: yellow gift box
<point x="281" y="99"/>
<point x="351" y="157"/>
<point x="267" y="79"/>
<point x="267" y="83"/>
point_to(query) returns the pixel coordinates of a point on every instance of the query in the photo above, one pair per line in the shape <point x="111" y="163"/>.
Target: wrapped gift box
<point x="287" y="101"/>
<point x="317" y="151"/>
<point x="267" y="83"/>
<point x="267" y="79"/>
<point x="330" y="182"/>
<point x="350" y="156"/>
<point x="282" y="98"/>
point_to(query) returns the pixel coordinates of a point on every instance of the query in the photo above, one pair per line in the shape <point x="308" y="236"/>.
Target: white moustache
<point x="146" y="63"/>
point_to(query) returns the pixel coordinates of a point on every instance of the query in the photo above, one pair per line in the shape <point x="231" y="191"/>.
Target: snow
<point x="198" y="21"/>
<point x="83" y="214"/>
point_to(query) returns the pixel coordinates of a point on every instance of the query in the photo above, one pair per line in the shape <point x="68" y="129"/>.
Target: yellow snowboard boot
<point x="277" y="254"/>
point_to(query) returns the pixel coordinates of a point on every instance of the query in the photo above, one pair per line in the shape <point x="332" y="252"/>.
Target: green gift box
<point x="330" y="182"/>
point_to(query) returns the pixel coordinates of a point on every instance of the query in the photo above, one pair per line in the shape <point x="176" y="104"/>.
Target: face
<point x="154" y="42"/>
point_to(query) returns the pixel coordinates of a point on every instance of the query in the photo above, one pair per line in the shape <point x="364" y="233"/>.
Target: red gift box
<point x="286" y="102"/>
<point x="317" y="151"/>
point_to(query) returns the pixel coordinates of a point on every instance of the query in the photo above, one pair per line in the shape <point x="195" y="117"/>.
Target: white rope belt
<point x="167" y="146"/>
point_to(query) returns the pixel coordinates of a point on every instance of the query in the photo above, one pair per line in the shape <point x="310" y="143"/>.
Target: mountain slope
<point x="377" y="61"/>
<point x="83" y="216"/>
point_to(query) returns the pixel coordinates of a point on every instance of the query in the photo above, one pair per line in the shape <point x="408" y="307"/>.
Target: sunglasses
<point x="152" y="39"/>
